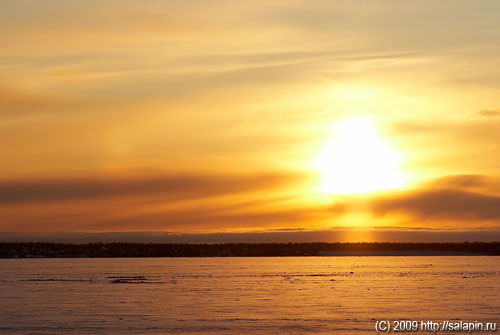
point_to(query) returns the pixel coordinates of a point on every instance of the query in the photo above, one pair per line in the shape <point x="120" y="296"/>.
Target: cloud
<point x="224" y="214"/>
<point x="465" y="129"/>
<point x="14" y="101"/>
<point x="196" y="203"/>
<point x="490" y="112"/>
<point x="465" y="181"/>
<point x="441" y="204"/>
<point x="17" y="102"/>
<point x="453" y="200"/>
<point x="467" y="145"/>
<point x="167" y="203"/>
<point x="175" y="186"/>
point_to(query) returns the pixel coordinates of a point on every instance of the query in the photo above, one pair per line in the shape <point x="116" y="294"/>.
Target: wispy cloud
<point x="490" y="112"/>
<point x="16" y="102"/>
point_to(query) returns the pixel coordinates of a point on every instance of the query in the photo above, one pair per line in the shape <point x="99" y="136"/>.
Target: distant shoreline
<point x="114" y="250"/>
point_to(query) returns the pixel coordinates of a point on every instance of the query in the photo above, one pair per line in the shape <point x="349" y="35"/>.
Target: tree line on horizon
<point x="99" y="249"/>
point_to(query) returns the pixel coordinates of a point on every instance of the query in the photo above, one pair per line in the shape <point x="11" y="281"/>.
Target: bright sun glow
<point x="357" y="160"/>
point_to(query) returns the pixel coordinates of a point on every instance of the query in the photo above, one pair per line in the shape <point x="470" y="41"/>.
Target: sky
<point x="266" y="120"/>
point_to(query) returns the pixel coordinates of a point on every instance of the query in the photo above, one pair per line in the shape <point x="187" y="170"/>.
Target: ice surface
<point x="288" y="295"/>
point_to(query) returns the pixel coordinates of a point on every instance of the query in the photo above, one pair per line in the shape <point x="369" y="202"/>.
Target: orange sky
<point x="237" y="117"/>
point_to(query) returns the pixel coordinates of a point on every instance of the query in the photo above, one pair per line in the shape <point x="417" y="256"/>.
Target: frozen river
<point x="269" y="295"/>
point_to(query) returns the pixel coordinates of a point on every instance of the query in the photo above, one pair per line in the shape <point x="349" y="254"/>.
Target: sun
<point x="358" y="160"/>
